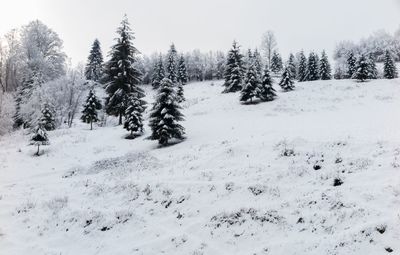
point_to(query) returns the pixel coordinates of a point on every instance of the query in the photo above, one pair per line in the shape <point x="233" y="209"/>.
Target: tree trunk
<point x="91" y="126"/>
<point x="37" y="153"/>
<point x="120" y="119"/>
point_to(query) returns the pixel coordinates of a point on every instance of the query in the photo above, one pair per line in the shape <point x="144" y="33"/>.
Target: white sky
<point x="205" y="24"/>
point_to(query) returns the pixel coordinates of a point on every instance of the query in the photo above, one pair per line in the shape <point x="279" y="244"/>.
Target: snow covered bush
<point x="6" y="112"/>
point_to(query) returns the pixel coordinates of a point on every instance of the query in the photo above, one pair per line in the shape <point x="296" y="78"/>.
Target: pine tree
<point x="312" y="68"/>
<point x="47" y="120"/>
<point x="90" y="108"/>
<point x="121" y="74"/>
<point x="172" y="64"/>
<point x="389" y="67"/>
<point x="266" y="91"/>
<point x="133" y="117"/>
<point x="372" y="70"/>
<point x="182" y="72"/>
<point x="39" y="137"/>
<point x="258" y="64"/>
<point x="351" y="64"/>
<point x="362" y="69"/>
<point x="276" y="63"/>
<point x="302" y="70"/>
<point x="94" y="66"/>
<point x="158" y="74"/>
<point x="234" y="70"/>
<point x="292" y="65"/>
<point x="166" y="114"/>
<point x="325" y="71"/>
<point x="286" y="82"/>
<point x="251" y="85"/>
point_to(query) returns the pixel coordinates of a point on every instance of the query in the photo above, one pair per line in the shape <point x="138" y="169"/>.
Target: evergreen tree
<point x="372" y="70"/>
<point x="121" y="74"/>
<point x="351" y="64"/>
<point x="182" y="72"/>
<point x="302" y="69"/>
<point x="47" y="120"/>
<point x="234" y="70"/>
<point x="172" y="64"/>
<point x="90" y="108"/>
<point x="362" y="69"/>
<point x="389" y="67"/>
<point x="158" y="74"/>
<point x="180" y="96"/>
<point x="286" y="82"/>
<point x="251" y="85"/>
<point x="39" y="137"/>
<point x="258" y="64"/>
<point x="94" y="66"/>
<point x="325" y="68"/>
<point x="133" y="117"/>
<point x="166" y="114"/>
<point x="266" y="91"/>
<point x="312" y="68"/>
<point x="292" y="65"/>
<point x="276" y="63"/>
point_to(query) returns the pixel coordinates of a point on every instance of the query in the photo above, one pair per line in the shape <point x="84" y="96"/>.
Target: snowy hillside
<point x="316" y="171"/>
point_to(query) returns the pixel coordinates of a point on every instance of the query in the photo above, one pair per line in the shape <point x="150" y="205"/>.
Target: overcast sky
<point x="205" y="24"/>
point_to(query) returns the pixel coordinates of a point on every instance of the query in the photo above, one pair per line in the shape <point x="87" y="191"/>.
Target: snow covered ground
<point x="249" y="179"/>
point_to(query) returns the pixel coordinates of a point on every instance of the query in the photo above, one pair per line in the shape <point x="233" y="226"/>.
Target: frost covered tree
<point x="351" y="64"/>
<point x="286" y="82"/>
<point x="361" y="72"/>
<point x="266" y="91"/>
<point x="133" y="117"/>
<point x="158" y="74"/>
<point x="324" y="67"/>
<point x="38" y="138"/>
<point x="258" y="63"/>
<point x="182" y="72"/>
<point x="166" y="114"/>
<point x="372" y="70"/>
<point x="302" y="68"/>
<point x="121" y="76"/>
<point x="251" y="85"/>
<point x="268" y="45"/>
<point x="389" y="67"/>
<point x="47" y="120"/>
<point x="276" y="62"/>
<point x="292" y="65"/>
<point x="234" y="70"/>
<point x="90" y="108"/>
<point x="172" y="64"/>
<point x="312" y="67"/>
<point x="94" y="65"/>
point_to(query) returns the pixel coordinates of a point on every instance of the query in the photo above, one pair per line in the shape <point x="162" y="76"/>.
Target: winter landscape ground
<point x="315" y="171"/>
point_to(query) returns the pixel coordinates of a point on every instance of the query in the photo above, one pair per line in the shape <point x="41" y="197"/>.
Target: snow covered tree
<point x="234" y="70"/>
<point x="268" y="45"/>
<point x="276" y="62"/>
<point x="133" y="117"/>
<point x="292" y="65"/>
<point x="121" y="76"/>
<point x="172" y="64"/>
<point x="258" y="64"/>
<point x="166" y="114"/>
<point x="372" y="70"/>
<point x="302" y="68"/>
<point x="90" y="108"/>
<point x="94" y="66"/>
<point x="286" y="82"/>
<point x="39" y="137"/>
<point x="351" y="64"/>
<point x="362" y="69"/>
<point x="158" y="74"/>
<point x="389" y="67"/>
<point x="251" y="85"/>
<point x="312" y="68"/>
<point x="47" y="120"/>
<point x="182" y="72"/>
<point x="266" y="91"/>
<point x="324" y="67"/>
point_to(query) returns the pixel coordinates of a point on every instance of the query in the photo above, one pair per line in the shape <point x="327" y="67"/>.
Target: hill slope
<point x="249" y="179"/>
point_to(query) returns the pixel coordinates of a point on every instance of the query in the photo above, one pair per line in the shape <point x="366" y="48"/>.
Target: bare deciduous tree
<point x="268" y="45"/>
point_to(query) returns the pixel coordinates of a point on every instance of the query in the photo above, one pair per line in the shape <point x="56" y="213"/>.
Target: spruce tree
<point x="251" y="85"/>
<point x="276" y="63"/>
<point x="234" y="70"/>
<point x="122" y="76"/>
<point x="39" y="137"/>
<point x="361" y="72"/>
<point x="90" y="108"/>
<point x="389" y="67"/>
<point x="372" y="70"/>
<point x="302" y="69"/>
<point x="47" y="120"/>
<point x="94" y="66"/>
<point x="258" y="64"/>
<point x="292" y="65"/>
<point x="312" y="68"/>
<point x="266" y="91"/>
<point x="286" y="82"/>
<point x="133" y="117"/>
<point x="158" y="74"/>
<point x="351" y="64"/>
<point x="182" y="72"/>
<point x="325" y="71"/>
<point x="166" y="114"/>
<point x="172" y="64"/>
